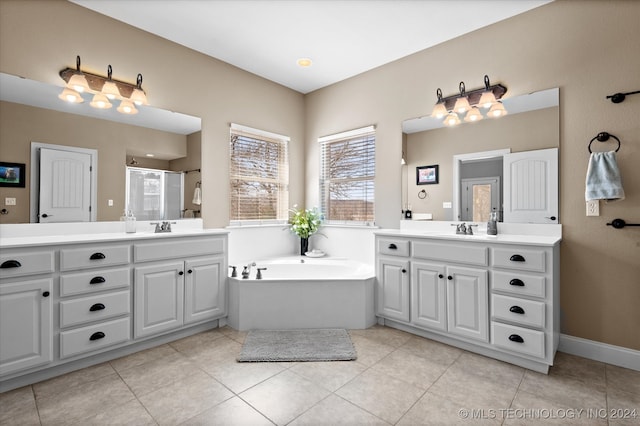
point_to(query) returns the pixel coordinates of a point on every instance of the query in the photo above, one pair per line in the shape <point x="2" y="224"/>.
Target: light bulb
<point x="452" y="120"/>
<point x="70" y="95"/>
<point x="110" y="90"/>
<point x="100" y="101"/>
<point x="127" y="107"/>
<point x="474" y="114"/>
<point x="439" y="110"/>
<point x="462" y="105"/>
<point x="487" y="99"/>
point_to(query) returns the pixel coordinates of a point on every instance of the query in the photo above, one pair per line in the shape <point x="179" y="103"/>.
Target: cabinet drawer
<point x="105" y="334"/>
<point x="393" y="247"/>
<point x="94" y="256"/>
<point x="89" y="282"/>
<point x="172" y="248"/>
<point x="94" y="308"/>
<point x="518" y="339"/>
<point x="518" y="283"/>
<point x="23" y="263"/>
<point x="517" y="258"/>
<point x="521" y="311"/>
<point x="469" y="253"/>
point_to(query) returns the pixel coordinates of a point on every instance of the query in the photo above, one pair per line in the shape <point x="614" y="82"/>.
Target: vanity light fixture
<point x="104" y="89"/>
<point x="304" y="62"/>
<point x="468" y="102"/>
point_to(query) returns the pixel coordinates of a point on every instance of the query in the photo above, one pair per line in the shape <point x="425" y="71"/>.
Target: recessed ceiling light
<point x="150" y="155"/>
<point x="304" y="62"/>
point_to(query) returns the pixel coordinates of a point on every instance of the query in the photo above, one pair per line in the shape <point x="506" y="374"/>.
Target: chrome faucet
<point x="247" y="270"/>
<point x="464" y="229"/>
<point x="165" y="226"/>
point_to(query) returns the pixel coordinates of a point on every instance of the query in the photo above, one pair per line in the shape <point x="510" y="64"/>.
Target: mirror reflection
<point x="470" y="159"/>
<point x="32" y="116"/>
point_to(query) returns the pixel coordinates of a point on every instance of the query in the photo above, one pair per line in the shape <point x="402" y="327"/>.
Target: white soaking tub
<point x="302" y="292"/>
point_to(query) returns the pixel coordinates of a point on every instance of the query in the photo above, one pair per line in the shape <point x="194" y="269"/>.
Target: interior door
<point x="531" y="186"/>
<point x="479" y="197"/>
<point x="65" y="186"/>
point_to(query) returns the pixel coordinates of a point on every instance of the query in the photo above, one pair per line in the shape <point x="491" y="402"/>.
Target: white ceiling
<point x="343" y="38"/>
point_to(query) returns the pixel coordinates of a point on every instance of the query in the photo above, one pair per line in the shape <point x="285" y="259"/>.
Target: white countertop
<point x="537" y="240"/>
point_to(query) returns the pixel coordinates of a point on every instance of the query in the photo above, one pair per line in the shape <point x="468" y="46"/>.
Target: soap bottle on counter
<point x="492" y="225"/>
<point x="130" y="223"/>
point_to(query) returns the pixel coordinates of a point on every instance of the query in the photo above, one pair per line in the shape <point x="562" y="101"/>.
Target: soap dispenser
<point x="492" y="225"/>
<point x="130" y="223"/>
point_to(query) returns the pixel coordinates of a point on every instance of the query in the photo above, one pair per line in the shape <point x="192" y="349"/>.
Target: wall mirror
<point x="470" y="156"/>
<point x="153" y="138"/>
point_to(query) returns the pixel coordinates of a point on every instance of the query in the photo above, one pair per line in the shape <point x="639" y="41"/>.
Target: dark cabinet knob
<point x="45" y="294"/>
<point x="181" y="273"/>
<point x="440" y="276"/>
<point x="97" y="335"/>
<point x="393" y="246"/>
<point x="404" y="271"/>
<point x="97" y="307"/>
<point x="190" y="271"/>
<point x="517" y="258"/>
<point x="97" y="256"/>
<point x="516" y="338"/>
<point x="516" y="282"/>
<point x="10" y="264"/>
<point x="516" y="310"/>
<point x="449" y="277"/>
<point x="97" y="280"/>
<point x="44" y="215"/>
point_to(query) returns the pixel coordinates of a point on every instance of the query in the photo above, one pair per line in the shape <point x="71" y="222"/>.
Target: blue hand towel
<point x="603" y="177"/>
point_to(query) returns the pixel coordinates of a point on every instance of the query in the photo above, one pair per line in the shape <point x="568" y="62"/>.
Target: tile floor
<point x="398" y="379"/>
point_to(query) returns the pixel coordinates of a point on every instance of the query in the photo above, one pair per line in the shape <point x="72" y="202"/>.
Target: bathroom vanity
<point x="497" y="296"/>
<point x="73" y="300"/>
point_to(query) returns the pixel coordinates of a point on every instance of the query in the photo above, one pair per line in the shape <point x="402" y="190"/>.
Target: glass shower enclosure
<point x="155" y="194"/>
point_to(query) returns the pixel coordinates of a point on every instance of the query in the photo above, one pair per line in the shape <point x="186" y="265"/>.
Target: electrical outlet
<point x="9" y="201"/>
<point x="110" y="203"/>
<point x="593" y="208"/>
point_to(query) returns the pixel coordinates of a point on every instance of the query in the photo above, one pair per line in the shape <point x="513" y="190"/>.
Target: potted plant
<point x="304" y="223"/>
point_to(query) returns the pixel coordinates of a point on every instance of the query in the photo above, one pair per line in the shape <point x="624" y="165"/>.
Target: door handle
<point x="45" y="215"/>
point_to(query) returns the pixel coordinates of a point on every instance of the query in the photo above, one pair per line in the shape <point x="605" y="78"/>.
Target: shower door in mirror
<point x="155" y="194"/>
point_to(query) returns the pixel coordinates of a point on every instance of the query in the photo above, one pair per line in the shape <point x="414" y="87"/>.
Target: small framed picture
<point x="12" y="174"/>
<point x="427" y="175"/>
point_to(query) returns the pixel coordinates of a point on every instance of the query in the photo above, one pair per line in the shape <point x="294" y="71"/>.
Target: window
<point x="259" y="175"/>
<point x="347" y="176"/>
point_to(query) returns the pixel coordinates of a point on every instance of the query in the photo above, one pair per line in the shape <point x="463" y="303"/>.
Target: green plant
<point x="305" y="223"/>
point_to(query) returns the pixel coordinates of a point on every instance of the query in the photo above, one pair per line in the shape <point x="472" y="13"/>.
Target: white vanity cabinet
<point x="496" y="297"/>
<point x="190" y="288"/>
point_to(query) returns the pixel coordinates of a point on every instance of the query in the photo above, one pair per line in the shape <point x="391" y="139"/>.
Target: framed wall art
<point x="427" y="175"/>
<point x="12" y="174"/>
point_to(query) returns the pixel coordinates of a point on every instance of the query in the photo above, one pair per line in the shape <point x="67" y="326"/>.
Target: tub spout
<point x="246" y="271"/>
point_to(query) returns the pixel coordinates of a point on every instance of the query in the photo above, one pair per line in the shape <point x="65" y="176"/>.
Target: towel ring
<point x="603" y="137"/>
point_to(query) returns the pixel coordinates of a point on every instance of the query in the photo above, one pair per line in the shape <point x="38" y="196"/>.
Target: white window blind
<point x="259" y="175"/>
<point x="347" y="176"/>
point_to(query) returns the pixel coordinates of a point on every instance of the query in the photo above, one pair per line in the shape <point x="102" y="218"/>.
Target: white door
<point x="65" y="186"/>
<point x="531" y="186"/>
<point x="204" y="291"/>
<point x="393" y="289"/>
<point x="468" y="302"/>
<point x="428" y="295"/>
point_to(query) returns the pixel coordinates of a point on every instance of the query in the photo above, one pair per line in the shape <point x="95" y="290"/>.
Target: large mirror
<point x="31" y="115"/>
<point x="470" y="157"/>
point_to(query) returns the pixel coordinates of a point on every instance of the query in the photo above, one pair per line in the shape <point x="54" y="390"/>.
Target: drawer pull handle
<point x="97" y="256"/>
<point x="517" y="258"/>
<point x="97" y="335"/>
<point x="393" y="247"/>
<point x="516" y="310"/>
<point x="516" y="338"/>
<point x="10" y="264"/>
<point x="97" y="307"/>
<point x="516" y="282"/>
<point x="97" y="280"/>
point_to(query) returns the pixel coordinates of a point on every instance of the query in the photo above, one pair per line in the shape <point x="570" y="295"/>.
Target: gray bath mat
<point x="297" y="345"/>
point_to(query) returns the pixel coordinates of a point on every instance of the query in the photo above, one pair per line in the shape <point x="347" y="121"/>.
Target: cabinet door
<point x="26" y="327"/>
<point x="468" y="302"/>
<point x="159" y="298"/>
<point x="393" y="289"/>
<point x="205" y="294"/>
<point x="428" y="295"/>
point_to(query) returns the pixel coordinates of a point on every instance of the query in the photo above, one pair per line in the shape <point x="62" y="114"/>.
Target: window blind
<point x="347" y="176"/>
<point x="259" y="175"/>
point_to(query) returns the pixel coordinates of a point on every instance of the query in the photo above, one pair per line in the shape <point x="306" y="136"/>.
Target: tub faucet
<point x="259" y="273"/>
<point x="247" y="270"/>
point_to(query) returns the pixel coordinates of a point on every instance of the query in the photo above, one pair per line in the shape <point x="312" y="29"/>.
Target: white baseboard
<point x="615" y="355"/>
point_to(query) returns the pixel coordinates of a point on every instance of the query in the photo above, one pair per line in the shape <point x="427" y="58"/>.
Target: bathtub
<point x="300" y="292"/>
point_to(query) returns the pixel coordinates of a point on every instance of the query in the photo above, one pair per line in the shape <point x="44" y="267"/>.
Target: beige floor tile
<point x="61" y="383"/>
<point x="129" y="413"/>
<point x="474" y="392"/>
<point x="384" y="396"/>
<point x="335" y="411"/>
<point x="191" y="343"/>
<point x="183" y="399"/>
<point x="329" y="375"/>
<point x="142" y="357"/>
<point x="433" y="409"/>
<point x="386" y="335"/>
<point x="236" y="335"/>
<point x="284" y="397"/>
<point x="84" y="400"/>
<point x="432" y="350"/>
<point x="489" y="369"/>
<point x="232" y="412"/>
<point x="623" y="408"/>
<point x="623" y="379"/>
<point x="528" y="408"/>
<point x="585" y="370"/>
<point x="240" y="376"/>
<point x="219" y="350"/>
<point x="18" y="407"/>
<point x="413" y="369"/>
<point x="563" y="390"/>
<point x="153" y="375"/>
<point x="370" y="351"/>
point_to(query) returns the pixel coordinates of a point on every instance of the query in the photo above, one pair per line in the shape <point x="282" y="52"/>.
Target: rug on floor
<point x="297" y="345"/>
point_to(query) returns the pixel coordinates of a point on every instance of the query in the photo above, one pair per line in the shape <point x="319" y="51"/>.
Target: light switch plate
<point x="110" y="203"/>
<point x="9" y="201"/>
<point x="593" y="208"/>
<point x="446" y="204"/>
